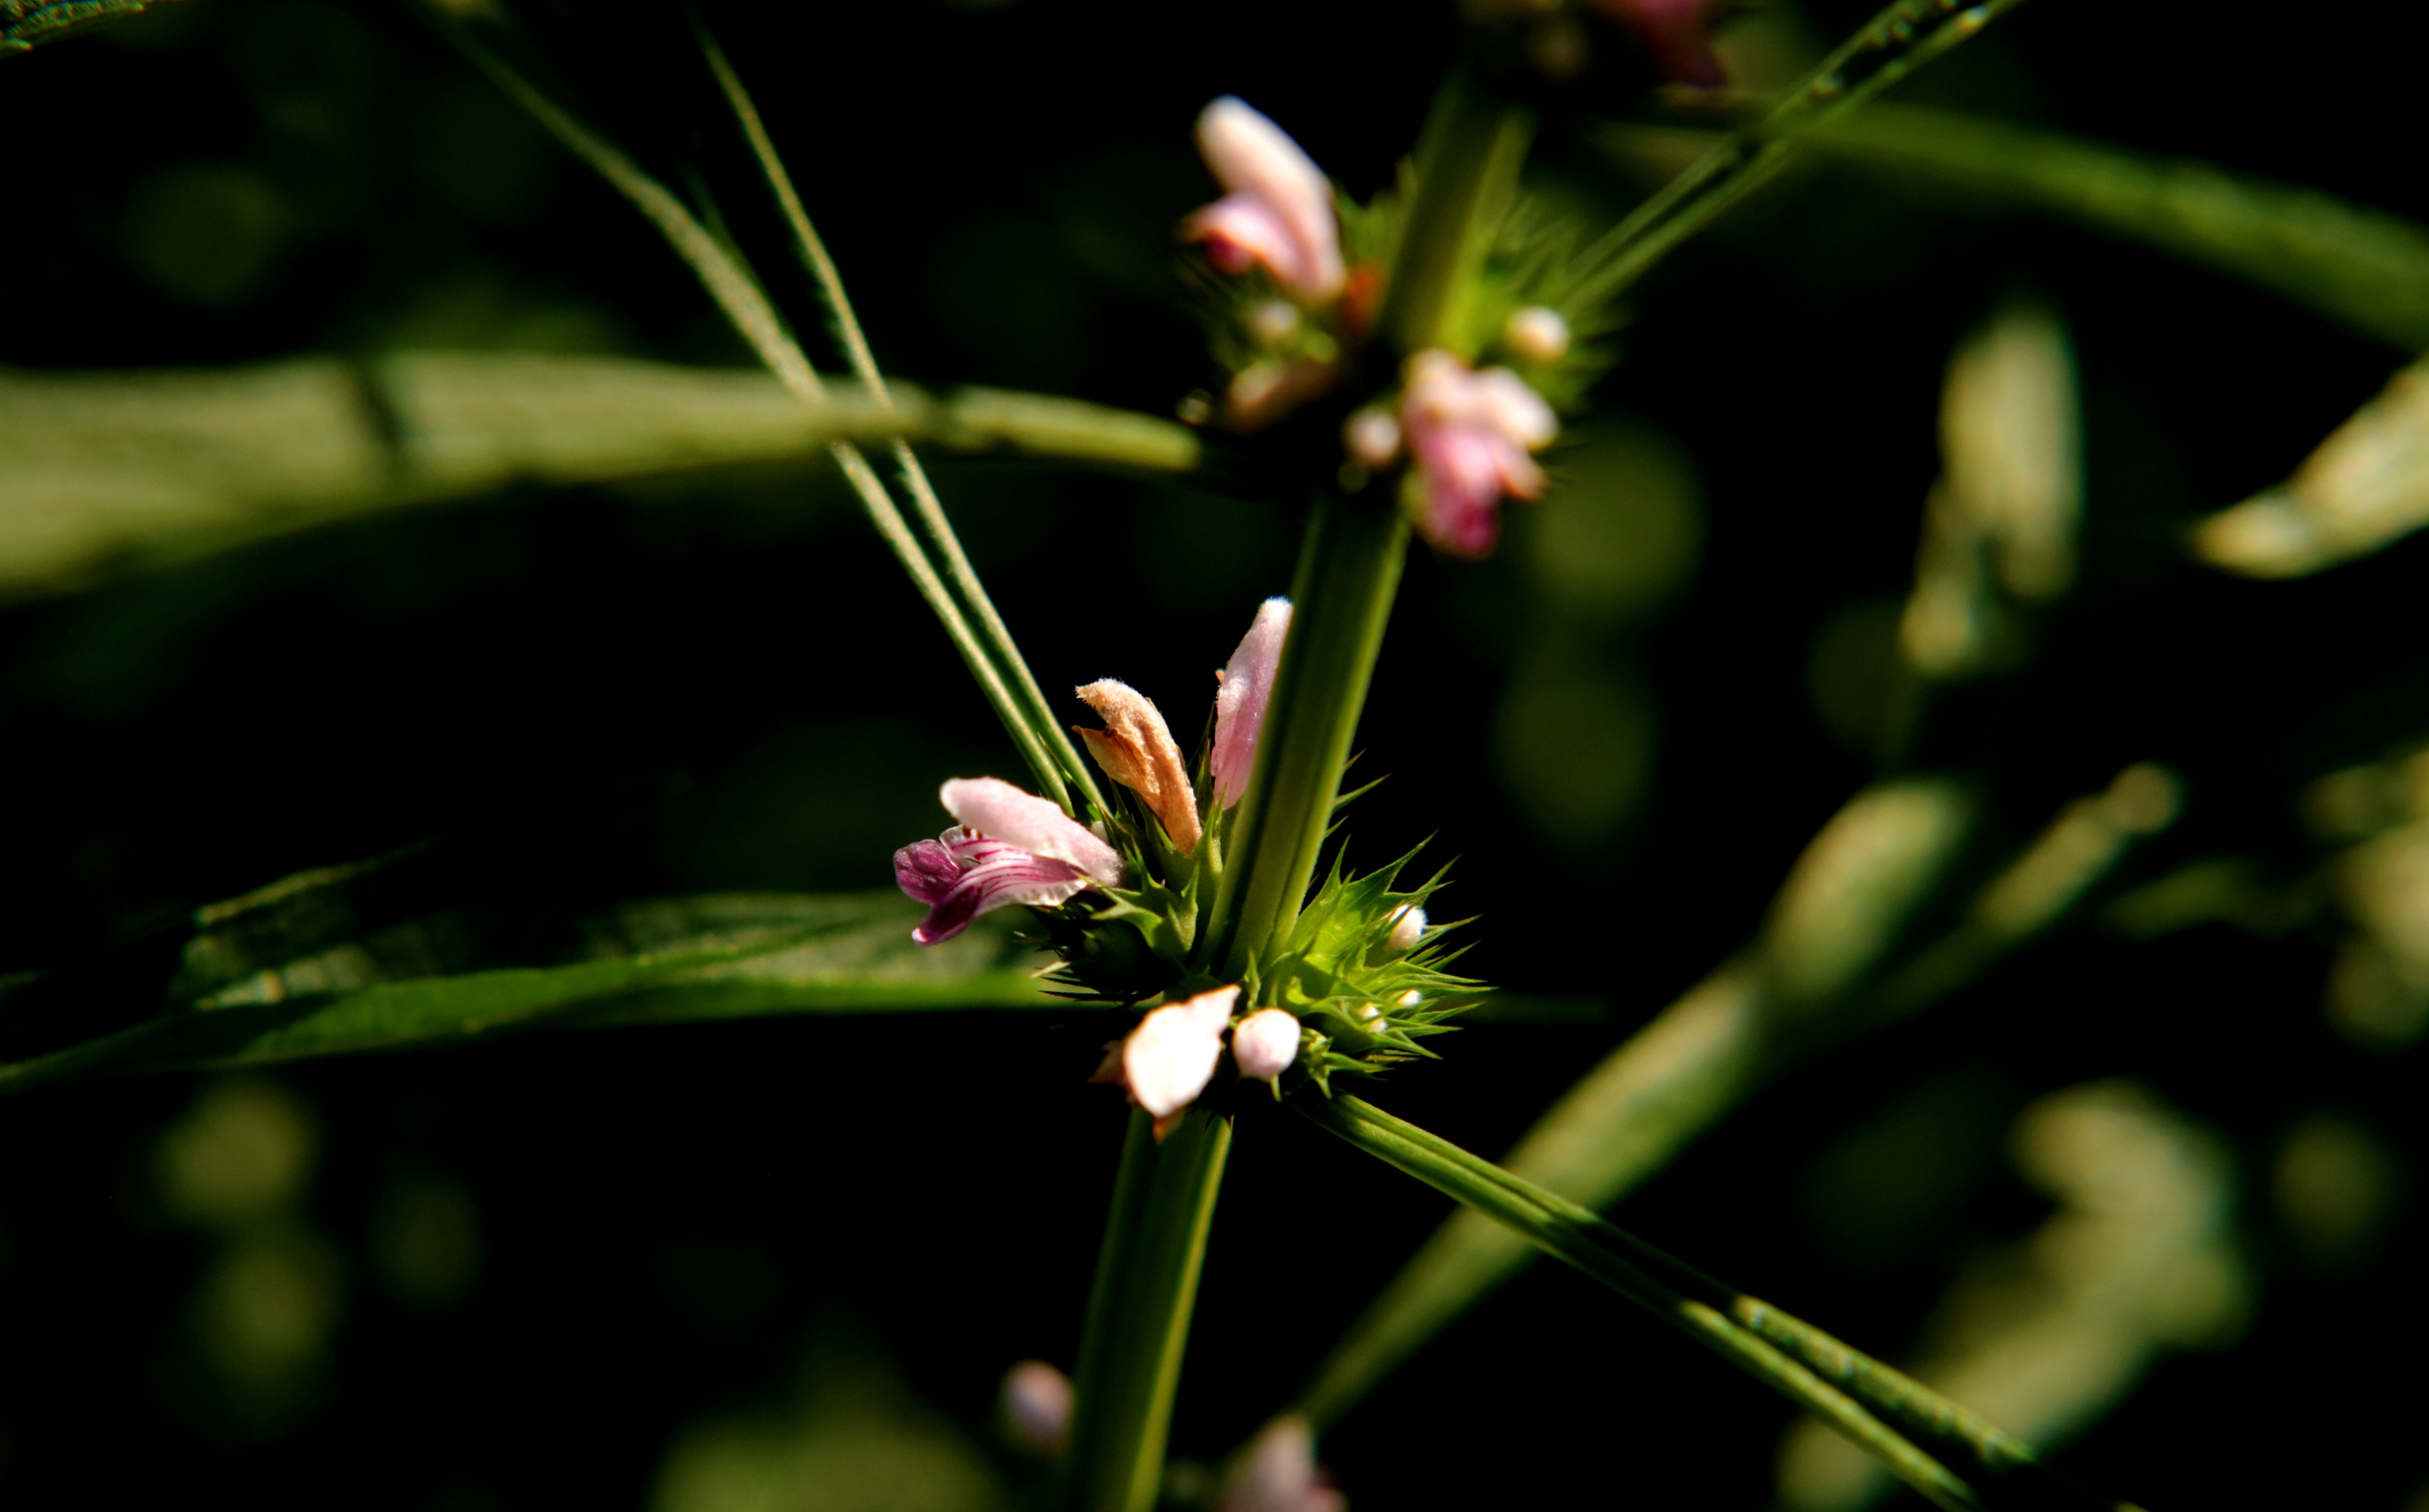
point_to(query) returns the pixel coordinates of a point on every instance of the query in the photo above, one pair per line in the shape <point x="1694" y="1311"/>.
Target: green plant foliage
<point x="2362" y="268"/>
<point x="26" y="24"/>
<point x="289" y="973"/>
<point x="108" y="470"/>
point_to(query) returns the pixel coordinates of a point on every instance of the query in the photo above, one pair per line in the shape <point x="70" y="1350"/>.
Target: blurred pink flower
<point x="1470" y="434"/>
<point x="1010" y="847"/>
<point x="1278" y="212"/>
<point x="1247" y="682"/>
<point x="1277" y="1473"/>
<point x="1675" y="34"/>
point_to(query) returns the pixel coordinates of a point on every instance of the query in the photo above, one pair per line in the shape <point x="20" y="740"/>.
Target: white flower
<point x="1408" y="928"/>
<point x="1169" y="1057"/>
<point x="1536" y="334"/>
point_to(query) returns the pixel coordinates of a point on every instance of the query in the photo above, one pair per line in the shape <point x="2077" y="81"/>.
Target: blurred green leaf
<point x="2363" y="268"/>
<point x="1841" y="1387"/>
<point x="113" y="469"/>
<point x="661" y="962"/>
<point x="1829" y="961"/>
<point x="26" y="24"/>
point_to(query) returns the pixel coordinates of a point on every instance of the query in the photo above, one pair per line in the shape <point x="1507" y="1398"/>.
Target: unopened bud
<point x="1372" y="437"/>
<point x="1408" y="928"/>
<point x="1264" y="1044"/>
<point x="1412" y="999"/>
<point x="1137" y="749"/>
<point x="1036" y="1405"/>
<point x="1536" y="334"/>
<point x="1274" y="321"/>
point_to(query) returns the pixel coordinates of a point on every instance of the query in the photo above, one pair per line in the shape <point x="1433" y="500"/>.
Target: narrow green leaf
<point x="111" y="471"/>
<point x="2365" y="269"/>
<point x="26" y="24"/>
<point x="1608" y="1254"/>
<point x="282" y="975"/>
<point x="1829" y="962"/>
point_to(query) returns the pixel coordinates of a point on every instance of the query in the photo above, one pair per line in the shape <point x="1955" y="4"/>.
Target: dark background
<point x="730" y="687"/>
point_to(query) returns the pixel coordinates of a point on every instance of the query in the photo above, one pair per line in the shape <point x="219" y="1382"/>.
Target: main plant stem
<point x="1139" y="1312"/>
<point x="1349" y="574"/>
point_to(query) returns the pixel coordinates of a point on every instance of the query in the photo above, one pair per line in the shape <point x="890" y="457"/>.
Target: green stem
<point x="731" y="284"/>
<point x="974" y="602"/>
<point x="1139" y="1311"/>
<point x="1902" y="38"/>
<point x="1349" y="574"/>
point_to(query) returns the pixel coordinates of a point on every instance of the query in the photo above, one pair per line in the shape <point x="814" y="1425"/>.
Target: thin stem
<point x="811" y="250"/>
<point x="738" y="295"/>
<point x="1902" y="38"/>
<point x="1139" y="1313"/>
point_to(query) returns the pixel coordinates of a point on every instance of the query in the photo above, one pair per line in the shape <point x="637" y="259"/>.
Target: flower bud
<point x="1372" y="437"/>
<point x="1265" y="1043"/>
<point x="1037" y="1408"/>
<point x="1408" y="928"/>
<point x="1246" y="681"/>
<point x="1536" y="334"/>
<point x="1274" y="321"/>
<point x="1277" y="1472"/>
<point x="1169" y="1057"/>
<point x="1137" y="749"/>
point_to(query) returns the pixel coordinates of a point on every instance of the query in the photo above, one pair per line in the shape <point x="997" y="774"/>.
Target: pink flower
<point x="1278" y="212"/>
<point x="1035" y="1402"/>
<point x="1246" y="681"/>
<point x="1470" y="434"/>
<point x="1010" y="847"/>
<point x="1277" y="1472"/>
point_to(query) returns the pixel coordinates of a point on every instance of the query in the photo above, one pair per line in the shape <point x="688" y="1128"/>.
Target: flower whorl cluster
<point x="1124" y="902"/>
<point x="1469" y="437"/>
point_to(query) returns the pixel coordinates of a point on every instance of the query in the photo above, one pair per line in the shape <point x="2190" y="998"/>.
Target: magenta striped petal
<point x="1008" y="875"/>
<point x="926" y="871"/>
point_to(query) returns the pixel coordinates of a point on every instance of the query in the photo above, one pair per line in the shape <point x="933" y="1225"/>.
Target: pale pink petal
<point x="1464" y="468"/>
<point x="1240" y="702"/>
<point x="1009" y="875"/>
<point x="1242" y="231"/>
<point x="1408" y="928"/>
<point x="1169" y="1057"/>
<point x="1264" y="1044"/>
<point x="1250" y="155"/>
<point x="1515" y="410"/>
<point x="998" y="811"/>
